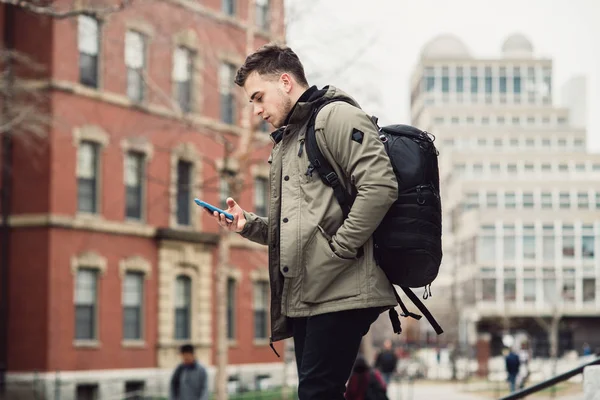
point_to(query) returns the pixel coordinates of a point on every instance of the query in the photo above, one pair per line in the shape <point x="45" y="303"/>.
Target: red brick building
<point x="112" y="266"/>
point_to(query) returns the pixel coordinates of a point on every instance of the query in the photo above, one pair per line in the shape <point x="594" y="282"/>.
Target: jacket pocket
<point x="326" y="276"/>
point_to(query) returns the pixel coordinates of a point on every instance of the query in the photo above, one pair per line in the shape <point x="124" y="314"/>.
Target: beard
<point x="285" y="106"/>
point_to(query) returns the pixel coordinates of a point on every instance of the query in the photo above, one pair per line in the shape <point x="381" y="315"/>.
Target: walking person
<point x="326" y="288"/>
<point x="512" y="369"/>
<point x="189" y="380"/>
<point x="386" y="361"/>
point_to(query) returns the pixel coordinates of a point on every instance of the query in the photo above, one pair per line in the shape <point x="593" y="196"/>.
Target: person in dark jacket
<point x="386" y="361"/>
<point x="513" y="363"/>
<point x="189" y="381"/>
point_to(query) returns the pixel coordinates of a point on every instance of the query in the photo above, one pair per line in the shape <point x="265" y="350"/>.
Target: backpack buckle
<point x="332" y="179"/>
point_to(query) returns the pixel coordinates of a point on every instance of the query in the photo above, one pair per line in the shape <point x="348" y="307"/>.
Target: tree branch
<point x="51" y="12"/>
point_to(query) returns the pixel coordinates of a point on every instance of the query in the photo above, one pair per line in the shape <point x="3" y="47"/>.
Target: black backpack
<point x="408" y="242"/>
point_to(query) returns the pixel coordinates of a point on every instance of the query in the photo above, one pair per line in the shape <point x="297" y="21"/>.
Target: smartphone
<point x="212" y="208"/>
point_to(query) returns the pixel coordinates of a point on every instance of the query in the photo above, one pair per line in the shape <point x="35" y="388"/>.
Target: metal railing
<point x="550" y="382"/>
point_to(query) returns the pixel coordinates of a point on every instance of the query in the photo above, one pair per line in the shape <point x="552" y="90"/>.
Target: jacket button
<point x="285" y="269"/>
<point x="285" y="220"/>
<point x="286" y="178"/>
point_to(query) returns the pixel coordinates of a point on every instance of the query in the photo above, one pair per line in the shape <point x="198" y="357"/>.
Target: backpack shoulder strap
<point x="320" y="164"/>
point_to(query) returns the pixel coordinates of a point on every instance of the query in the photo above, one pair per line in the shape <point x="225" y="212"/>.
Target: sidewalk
<point x="429" y="391"/>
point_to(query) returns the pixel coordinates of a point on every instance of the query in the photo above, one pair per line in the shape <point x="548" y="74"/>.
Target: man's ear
<point x="286" y="81"/>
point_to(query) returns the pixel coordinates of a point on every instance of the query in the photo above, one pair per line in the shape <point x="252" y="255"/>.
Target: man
<point x="326" y="289"/>
<point x="386" y="361"/>
<point x="512" y="368"/>
<point x="189" y="381"/>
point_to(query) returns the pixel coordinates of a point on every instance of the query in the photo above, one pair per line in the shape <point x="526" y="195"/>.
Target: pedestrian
<point x="326" y="288"/>
<point x="512" y="368"/>
<point x="189" y="380"/>
<point x="365" y="383"/>
<point x="386" y="361"/>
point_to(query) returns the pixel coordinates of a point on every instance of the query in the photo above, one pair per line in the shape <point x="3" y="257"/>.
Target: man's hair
<point x="186" y="348"/>
<point x="272" y="59"/>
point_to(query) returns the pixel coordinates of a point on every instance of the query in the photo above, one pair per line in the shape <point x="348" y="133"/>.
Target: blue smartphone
<point x="212" y="208"/>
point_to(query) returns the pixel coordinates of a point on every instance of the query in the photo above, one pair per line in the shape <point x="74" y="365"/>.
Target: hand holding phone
<point x="233" y="219"/>
<point x="212" y="209"/>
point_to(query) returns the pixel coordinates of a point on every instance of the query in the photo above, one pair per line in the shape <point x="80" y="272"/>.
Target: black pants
<point x="326" y="347"/>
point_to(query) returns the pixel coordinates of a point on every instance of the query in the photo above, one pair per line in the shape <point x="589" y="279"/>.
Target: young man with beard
<point x="326" y="288"/>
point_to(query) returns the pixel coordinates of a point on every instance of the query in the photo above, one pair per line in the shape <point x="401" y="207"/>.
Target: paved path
<point x="432" y="391"/>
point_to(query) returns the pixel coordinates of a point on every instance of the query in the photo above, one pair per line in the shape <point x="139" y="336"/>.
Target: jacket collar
<point x="299" y="112"/>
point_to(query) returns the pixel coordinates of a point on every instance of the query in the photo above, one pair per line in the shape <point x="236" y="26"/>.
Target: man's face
<point x="187" y="358"/>
<point x="269" y="96"/>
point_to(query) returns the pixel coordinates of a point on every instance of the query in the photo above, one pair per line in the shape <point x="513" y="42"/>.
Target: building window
<point x="477" y="169"/>
<point x="549" y="285"/>
<point x="88" y="42"/>
<point x="262" y="14"/>
<point x="474" y="80"/>
<point x="587" y="243"/>
<point x="510" y="200"/>
<point x="548" y="243"/>
<point x="231" y="297"/>
<point x="546" y="142"/>
<point x="492" y="199"/>
<point x="133" y="295"/>
<point x="487" y="244"/>
<point x="546" y="200"/>
<point x="502" y="80"/>
<point x="472" y="200"/>
<point x="529" y="290"/>
<point x="527" y="200"/>
<point x="510" y="246"/>
<point x="224" y="188"/>
<point x="86" y="302"/>
<point x="516" y="120"/>
<point x="261" y="293"/>
<point x="529" y="245"/>
<point x="488" y="80"/>
<point x="445" y="80"/>
<point x="579" y="144"/>
<point x="183" y="67"/>
<point x="598" y="200"/>
<point x="87" y="177"/>
<point x="228" y="7"/>
<point x="183" y="307"/>
<point x="429" y="79"/>
<point x="517" y="80"/>
<point x="459" y="80"/>
<point x="134" y="178"/>
<point x="563" y="168"/>
<point x="568" y="245"/>
<point x="510" y="285"/>
<point x="512" y="169"/>
<point x="514" y="142"/>
<point x="583" y="200"/>
<point x="86" y="392"/>
<point x="226" y="77"/>
<point x="261" y="190"/>
<point x="546" y="167"/>
<point x="564" y="200"/>
<point x="529" y="168"/>
<point x="184" y="191"/>
<point x="589" y="290"/>
<point x="134" y="390"/>
<point x="579" y="167"/>
<point x="568" y="292"/>
<point x="495" y="167"/>
<point x="488" y="289"/>
<point x="135" y="60"/>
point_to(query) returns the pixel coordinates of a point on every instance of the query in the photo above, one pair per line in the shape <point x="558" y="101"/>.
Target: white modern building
<point x="521" y="194"/>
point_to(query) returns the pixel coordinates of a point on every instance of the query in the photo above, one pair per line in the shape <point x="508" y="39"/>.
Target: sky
<point x="370" y="48"/>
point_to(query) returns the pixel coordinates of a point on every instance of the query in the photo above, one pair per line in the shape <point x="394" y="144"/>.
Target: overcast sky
<point x="369" y="48"/>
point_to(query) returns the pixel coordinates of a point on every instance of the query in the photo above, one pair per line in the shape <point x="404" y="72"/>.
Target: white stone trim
<point x="88" y="259"/>
<point x="138" y="144"/>
<point x="92" y="133"/>
<point x="137" y="264"/>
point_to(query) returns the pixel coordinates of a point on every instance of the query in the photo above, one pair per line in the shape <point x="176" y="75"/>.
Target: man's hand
<point x="234" y="209"/>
